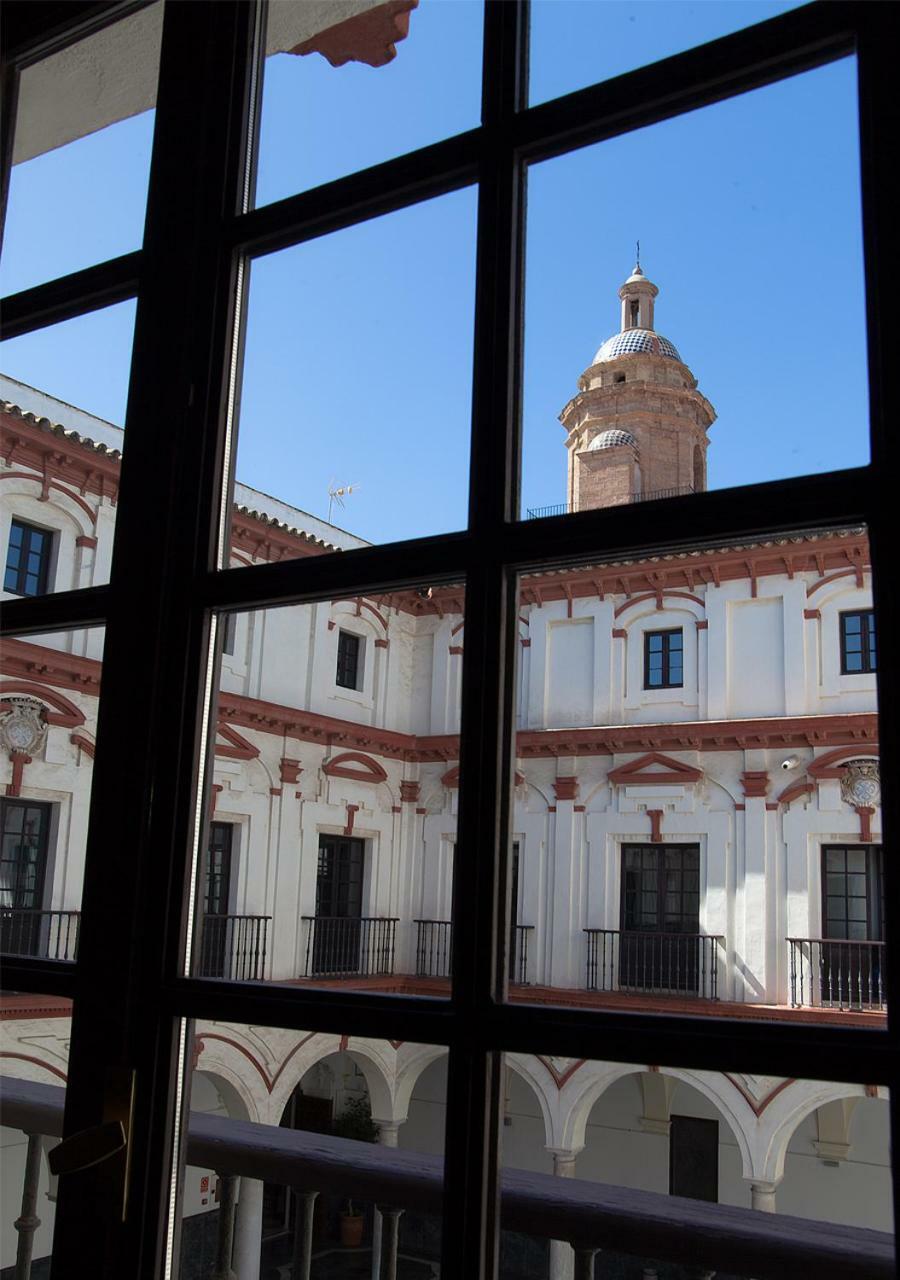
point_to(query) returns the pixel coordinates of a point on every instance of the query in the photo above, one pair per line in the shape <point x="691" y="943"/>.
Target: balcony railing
<point x="434" y="950"/>
<point x="682" y="964"/>
<point x="234" y="947"/>
<point x="591" y="1215"/>
<point x="349" y="946"/>
<point x="648" y="495"/>
<point x="830" y="973"/>
<point x="43" y="935"/>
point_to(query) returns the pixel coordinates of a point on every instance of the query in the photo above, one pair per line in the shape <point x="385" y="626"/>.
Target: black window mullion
<point x="142" y="808"/>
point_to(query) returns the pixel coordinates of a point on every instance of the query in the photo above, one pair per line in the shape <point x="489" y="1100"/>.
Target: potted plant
<point x="355" y="1122"/>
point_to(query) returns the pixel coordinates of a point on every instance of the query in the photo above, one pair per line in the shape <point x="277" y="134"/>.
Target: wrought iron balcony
<point x="830" y="973"/>
<point x="682" y="964"/>
<point x="434" y="950"/>
<point x="42" y="935"/>
<point x="648" y="495"/>
<point x="349" y="946"/>
<point x="698" y="1236"/>
<point x="234" y="947"/>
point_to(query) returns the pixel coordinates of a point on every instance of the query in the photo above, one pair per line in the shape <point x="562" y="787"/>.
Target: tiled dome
<point x="609" y="439"/>
<point x="632" y="340"/>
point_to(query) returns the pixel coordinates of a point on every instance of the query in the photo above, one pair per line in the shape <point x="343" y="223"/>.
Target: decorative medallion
<point x="22" y="725"/>
<point x="861" y="784"/>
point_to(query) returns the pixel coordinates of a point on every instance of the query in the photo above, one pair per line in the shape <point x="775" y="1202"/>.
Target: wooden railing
<point x="658" y="963"/>
<point x="590" y="1215"/>
<point x="831" y="973"/>
<point x="43" y="935"/>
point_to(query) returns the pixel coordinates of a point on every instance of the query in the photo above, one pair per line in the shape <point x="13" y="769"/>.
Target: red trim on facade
<point x="795" y="790"/>
<point x="455" y="650"/>
<point x="637" y="773"/>
<point x="865" y="813"/>
<point x="39" y="1062"/>
<point x="66" y="714"/>
<point x="659" y="596"/>
<point x="52" y="666"/>
<point x="409" y="791"/>
<point x="565" y="787"/>
<point x="740" y="808"/>
<point x="381" y="644"/>
<point x="560" y="1078"/>
<point x="812" y="615"/>
<point x="757" y="1107"/>
<point x="215" y="791"/>
<point x="656" y="817"/>
<point x="274" y="791"/>
<point x="833" y="577"/>
<point x="83" y="742"/>
<point x="269" y="1081"/>
<point x="702" y="624"/>
<point x="580" y="808"/>
<point x="356" y="766"/>
<point x="290" y="770"/>
<point x="619" y="633"/>
<point x="755" y="783"/>
<point x="827" y="766"/>
<point x="237" y="748"/>
<point x="525" y="642"/>
<point x="84" y="540"/>
<point x="352" y="811"/>
<point x="19" y="760"/>
<point x="46" y="484"/>
<point x="396" y="808"/>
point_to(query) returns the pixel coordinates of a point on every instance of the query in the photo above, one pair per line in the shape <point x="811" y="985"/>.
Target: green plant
<point x="355" y="1121"/>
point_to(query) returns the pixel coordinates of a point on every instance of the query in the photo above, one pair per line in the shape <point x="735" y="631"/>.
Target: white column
<point x="762" y="1196"/>
<point x="248" y="1230"/>
<point x="562" y="1256"/>
<point x="388" y="1136"/>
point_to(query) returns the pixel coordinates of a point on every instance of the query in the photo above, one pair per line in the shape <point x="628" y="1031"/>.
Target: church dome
<point x="609" y="439"/>
<point x="630" y="341"/>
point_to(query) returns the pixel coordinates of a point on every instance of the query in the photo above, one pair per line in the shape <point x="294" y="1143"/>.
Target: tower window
<point x="27" y="559"/>
<point x="349" y="667"/>
<point x="663" y="659"/>
<point x="858" y="652"/>
<point x="634" y="309"/>
<point x="620" y="377"/>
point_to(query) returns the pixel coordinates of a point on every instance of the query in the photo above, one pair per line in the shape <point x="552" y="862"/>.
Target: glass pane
<point x="328" y="849"/>
<point x="81" y="156"/>
<point x="366" y="1105"/>
<point x="816" y="1150"/>
<point x="765" y="739"/>
<point x="348" y="85"/>
<point x="355" y="412"/>
<point x="34" y="1048"/>
<point x="650" y="416"/>
<point x="49" y="694"/>
<point x="62" y="411"/>
<point x="574" y="43"/>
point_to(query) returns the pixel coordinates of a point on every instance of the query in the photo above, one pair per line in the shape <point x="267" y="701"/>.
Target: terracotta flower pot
<point x="352" y="1230"/>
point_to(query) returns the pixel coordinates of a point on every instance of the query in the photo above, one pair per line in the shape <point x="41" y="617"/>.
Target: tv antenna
<point x="337" y="495"/>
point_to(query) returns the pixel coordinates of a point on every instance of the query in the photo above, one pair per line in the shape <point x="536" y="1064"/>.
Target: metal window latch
<point x="106" y="1140"/>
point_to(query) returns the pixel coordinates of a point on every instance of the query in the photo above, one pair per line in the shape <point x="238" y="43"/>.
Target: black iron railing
<point x="434" y="950"/>
<point x="234" y="947"/>
<point x="648" y="495"/>
<point x="43" y="935"/>
<point x="349" y="946"/>
<point x="658" y="963"/>
<point x="832" y="973"/>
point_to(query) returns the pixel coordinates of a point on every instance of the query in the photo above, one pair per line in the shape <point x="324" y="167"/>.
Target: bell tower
<point x="637" y="428"/>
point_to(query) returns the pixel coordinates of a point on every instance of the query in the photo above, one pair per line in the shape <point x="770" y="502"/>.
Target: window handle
<point x="104" y="1141"/>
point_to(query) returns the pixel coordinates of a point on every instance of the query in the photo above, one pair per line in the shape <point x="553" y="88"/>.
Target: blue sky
<point x="359" y="351"/>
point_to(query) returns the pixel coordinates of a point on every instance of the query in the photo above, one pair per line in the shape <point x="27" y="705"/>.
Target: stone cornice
<point x="51" y="666"/>
<point x="52" y="452"/>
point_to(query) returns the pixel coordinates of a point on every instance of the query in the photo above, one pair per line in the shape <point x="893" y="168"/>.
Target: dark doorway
<point x="659" y="948"/>
<point x="853" y="922"/>
<point x="339" y="887"/>
<point x="23" y="868"/>
<point x="216" y="946"/>
<point x="694" y="1158"/>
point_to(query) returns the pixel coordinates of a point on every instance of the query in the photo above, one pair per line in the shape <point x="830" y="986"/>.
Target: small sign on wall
<point x="204" y="1190"/>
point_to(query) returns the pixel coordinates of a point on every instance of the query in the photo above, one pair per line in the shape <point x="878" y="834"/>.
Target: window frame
<point x="357" y="665"/>
<point x="163" y="621"/>
<point x="868" y="634"/>
<point x="666" y="682"/>
<point x="46" y="557"/>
